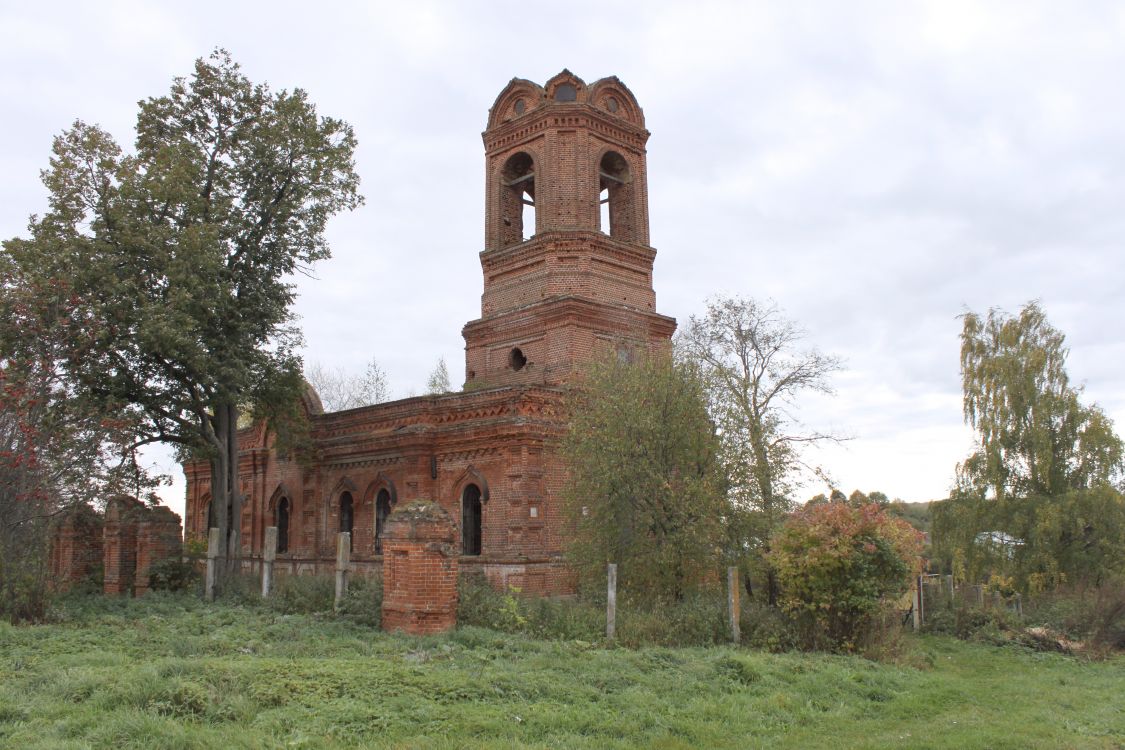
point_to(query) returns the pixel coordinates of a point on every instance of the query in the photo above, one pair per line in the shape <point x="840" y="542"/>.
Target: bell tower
<point x="567" y="264"/>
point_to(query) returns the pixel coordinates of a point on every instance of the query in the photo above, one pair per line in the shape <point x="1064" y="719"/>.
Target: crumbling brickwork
<point x="158" y="538"/>
<point x="125" y="542"/>
<point x="76" y="547"/>
<point x="561" y="288"/>
<point x="420" y="570"/>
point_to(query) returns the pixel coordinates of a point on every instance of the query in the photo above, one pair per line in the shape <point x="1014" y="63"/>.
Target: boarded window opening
<point x="471" y="520"/>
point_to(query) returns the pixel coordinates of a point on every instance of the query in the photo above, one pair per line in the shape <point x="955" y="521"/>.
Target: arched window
<point x="470" y="520"/>
<point x="517" y="200"/>
<point x="281" y="520"/>
<point x="347" y="515"/>
<point x="615" y="197"/>
<point x="382" y="510"/>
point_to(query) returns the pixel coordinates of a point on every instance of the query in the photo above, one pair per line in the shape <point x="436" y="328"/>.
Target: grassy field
<point x="170" y="672"/>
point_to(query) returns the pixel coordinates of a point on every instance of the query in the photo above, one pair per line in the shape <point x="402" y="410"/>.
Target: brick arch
<point x="344" y="485"/>
<point x="622" y="189"/>
<point x="380" y="482"/>
<point x="503" y="109"/>
<point x="471" y="476"/>
<point x="566" y="78"/>
<point x="202" y="506"/>
<point x="507" y="195"/>
<point x="370" y="506"/>
<point x="281" y="491"/>
<point x="285" y="536"/>
<point x="628" y="109"/>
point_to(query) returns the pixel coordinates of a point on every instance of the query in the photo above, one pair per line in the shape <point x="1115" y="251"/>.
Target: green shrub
<point x="363" y="602"/>
<point x="296" y="594"/>
<point x="695" y="620"/>
<point x="173" y="575"/>
<point x="839" y="566"/>
<point x="767" y="628"/>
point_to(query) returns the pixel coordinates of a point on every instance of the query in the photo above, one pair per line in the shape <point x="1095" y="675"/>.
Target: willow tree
<point x="1034" y="435"/>
<point x="1045" y="465"/>
<point x="180" y="255"/>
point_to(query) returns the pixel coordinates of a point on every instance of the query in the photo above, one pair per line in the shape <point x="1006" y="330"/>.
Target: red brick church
<point x="567" y="276"/>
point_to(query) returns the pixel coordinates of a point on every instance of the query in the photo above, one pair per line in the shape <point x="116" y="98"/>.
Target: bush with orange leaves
<point x="841" y="568"/>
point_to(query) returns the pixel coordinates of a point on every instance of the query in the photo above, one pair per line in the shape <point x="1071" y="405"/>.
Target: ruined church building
<point x="567" y="277"/>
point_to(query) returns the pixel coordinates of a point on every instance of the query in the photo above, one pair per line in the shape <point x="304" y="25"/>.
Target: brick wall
<point x="569" y="294"/>
<point x="76" y="547"/>
<point x="420" y="570"/>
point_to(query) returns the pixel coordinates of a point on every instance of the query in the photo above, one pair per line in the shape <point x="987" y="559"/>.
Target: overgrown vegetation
<point x="645" y="488"/>
<point x="841" y="567"/>
<point x="1037" y="502"/>
<point x="168" y="671"/>
<point x="178" y="259"/>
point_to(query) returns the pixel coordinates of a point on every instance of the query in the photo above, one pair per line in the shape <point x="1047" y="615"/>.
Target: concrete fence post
<point x="343" y="558"/>
<point x="212" y="562"/>
<point x="732" y="603"/>
<point x="611" y="601"/>
<point x="917" y="604"/>
<point x="269" y="554"/>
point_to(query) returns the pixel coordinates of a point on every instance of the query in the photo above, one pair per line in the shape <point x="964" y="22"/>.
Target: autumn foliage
<point x="841" y="567"/>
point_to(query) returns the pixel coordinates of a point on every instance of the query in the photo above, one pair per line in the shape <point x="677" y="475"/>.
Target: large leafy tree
<point x="756" y="369"/>
<point x="1034" y="435"/>
<point x="181" y="256"/>
<point x="645" y="489"/>
<point x="56" y="450"/>
<point x="1036" y="500"/>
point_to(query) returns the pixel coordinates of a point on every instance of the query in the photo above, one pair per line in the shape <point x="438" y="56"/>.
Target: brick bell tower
<point x="567" y="264"/>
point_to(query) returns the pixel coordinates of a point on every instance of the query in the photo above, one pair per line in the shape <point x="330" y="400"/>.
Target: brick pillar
<point x="120" y="544"/>
<point x="158" y="538"/>
<point x="420" y="570"/>
<point x="76" y="547"/>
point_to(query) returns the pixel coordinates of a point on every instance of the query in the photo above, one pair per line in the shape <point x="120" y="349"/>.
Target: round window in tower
<point x="521" y="105"/>
<point x="611" y="104"/>
<point x="517" y="359"/>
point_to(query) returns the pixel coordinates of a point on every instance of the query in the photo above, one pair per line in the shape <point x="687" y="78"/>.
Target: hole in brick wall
<point x="516" y="359"/>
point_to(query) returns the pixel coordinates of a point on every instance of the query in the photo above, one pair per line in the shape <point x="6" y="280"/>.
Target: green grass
<point x="171" y="672"/>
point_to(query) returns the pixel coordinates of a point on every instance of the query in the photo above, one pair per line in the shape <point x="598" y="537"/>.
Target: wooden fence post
<point x="343" y="557"/>
<point x="611" y="601"/>
<point x="949" y="580"/>
<point x="212" y="563"/>
<point x="269" y="554"/>
<point x="732" y="603"/>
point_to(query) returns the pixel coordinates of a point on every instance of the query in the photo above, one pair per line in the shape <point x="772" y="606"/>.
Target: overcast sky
<point x="874" y="168"/>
